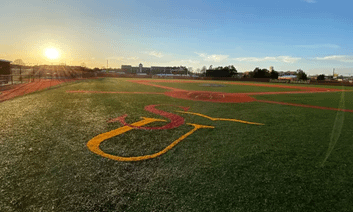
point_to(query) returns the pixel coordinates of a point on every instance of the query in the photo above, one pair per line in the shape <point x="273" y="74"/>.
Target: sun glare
<point x="52" y="53"/>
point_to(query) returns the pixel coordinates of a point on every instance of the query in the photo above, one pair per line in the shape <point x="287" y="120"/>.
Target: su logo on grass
<point x="175" y="121"/>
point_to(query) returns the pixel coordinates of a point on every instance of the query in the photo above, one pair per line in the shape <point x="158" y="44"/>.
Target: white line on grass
<point x="337" y="128"/>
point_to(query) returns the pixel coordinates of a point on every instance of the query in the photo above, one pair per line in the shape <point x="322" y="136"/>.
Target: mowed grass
<point x="248" y="82"/>
<point x="228" y="88"/>
<point x="316" y="85"/>
<point x="330" y="99"/>
<point x="113" y="84"/>
<point x="45" y="164"/>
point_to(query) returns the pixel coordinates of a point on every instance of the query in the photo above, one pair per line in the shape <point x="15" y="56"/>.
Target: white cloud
<point x="316" y="46"/>
<point x="340" y="58"/>
<point x="213" y="57"/>
<point x="310" y="1"/>
<point x="122" y="58"/>
<point x="285" y="59"/>
<point x="187" y="62"/>
<point x="156" y="54"/>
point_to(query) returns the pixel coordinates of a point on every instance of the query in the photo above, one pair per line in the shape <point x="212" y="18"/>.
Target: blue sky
<point x="315" y="36"/>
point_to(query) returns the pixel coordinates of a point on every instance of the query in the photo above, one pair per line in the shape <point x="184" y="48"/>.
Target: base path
<point x="207" y="96"/>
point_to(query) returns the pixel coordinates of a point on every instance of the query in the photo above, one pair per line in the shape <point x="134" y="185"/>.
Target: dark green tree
<point x="321" y="77"/>
<point x="301" y="75"/>
<point x="227" y="71"/>
<point x="274" y="74"/>
<point x="261" y="73"/>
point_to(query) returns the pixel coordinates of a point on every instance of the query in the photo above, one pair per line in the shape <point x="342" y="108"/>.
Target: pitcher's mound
<point x="212" y="85"/>
<point x="210" y="96"/>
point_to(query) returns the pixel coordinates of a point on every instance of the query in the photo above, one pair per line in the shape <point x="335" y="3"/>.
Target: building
<point x="283" y="73"/>
<point x="288" y="77"/>
<point x="140" y="70"/>
<point x="271" y="68"/>
<point x="126" y="68"/>
<point x="5" y="68"/>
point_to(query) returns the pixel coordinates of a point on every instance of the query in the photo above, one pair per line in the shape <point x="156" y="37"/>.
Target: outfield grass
<point x="228" y="88"/>
<point x="316" y="86"/>
<point x="254" y="82"/>
<point x="331" y="99"/>
<point x="45" y="164"/>
<point x="113" y="84"/>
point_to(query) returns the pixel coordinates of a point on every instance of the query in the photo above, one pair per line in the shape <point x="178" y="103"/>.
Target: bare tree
<point x="203" y="71"/>
<point x="18" y="62"/>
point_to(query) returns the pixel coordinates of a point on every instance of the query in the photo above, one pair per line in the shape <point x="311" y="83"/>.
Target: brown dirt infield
<point x="207" y="96"/>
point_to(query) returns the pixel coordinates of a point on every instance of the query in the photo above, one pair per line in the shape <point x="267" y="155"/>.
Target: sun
<point x="52" y="53"/>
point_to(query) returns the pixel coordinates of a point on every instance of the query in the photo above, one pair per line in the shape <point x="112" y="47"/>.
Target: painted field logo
<point x="175" y="121"/>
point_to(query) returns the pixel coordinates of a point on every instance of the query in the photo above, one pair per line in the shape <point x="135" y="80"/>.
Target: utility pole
<point x="333" y="74"/>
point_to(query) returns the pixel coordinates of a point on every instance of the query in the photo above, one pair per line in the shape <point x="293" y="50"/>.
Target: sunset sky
<point x="313" y="35"/>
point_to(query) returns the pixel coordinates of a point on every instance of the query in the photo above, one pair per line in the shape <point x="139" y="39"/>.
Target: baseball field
<point x="114" y="144"/>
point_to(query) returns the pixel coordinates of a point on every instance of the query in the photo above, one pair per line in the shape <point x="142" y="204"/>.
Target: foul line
<point x="307" y="106"/>
<point x="337" y="129"/>
<point x="220" y="119"/>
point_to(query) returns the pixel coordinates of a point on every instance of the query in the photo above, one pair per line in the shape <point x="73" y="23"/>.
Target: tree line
<point x="231" y="71"/>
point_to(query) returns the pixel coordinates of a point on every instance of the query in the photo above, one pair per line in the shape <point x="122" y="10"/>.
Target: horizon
<point x="312" y="35"/>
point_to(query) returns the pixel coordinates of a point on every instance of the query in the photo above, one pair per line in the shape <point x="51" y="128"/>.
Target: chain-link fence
<point x="26" y="74"/>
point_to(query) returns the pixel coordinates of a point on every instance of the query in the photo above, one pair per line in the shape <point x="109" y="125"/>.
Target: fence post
<point x="21" y="74"/>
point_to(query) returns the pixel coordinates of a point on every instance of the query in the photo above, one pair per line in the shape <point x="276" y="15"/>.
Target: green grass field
<point x="319" y="99"/>
<point x="228" y="88"/>
<point x="299" y="160"/>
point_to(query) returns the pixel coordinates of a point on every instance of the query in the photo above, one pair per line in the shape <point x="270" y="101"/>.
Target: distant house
<point x="286" y="73"/>
<point x="154" y="70"/>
